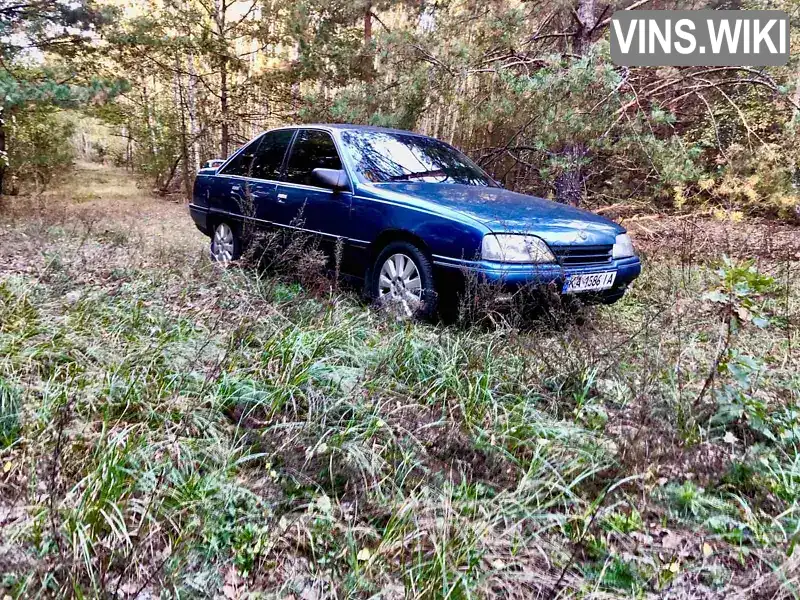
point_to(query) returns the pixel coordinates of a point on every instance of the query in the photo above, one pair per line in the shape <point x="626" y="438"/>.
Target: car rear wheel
<point x="402" y="282"/>
<point x="225" y="244"/>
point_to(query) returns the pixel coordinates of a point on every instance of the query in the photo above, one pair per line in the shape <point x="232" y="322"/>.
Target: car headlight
<point x="623" y="247"/>
<point x="514" y="248"/>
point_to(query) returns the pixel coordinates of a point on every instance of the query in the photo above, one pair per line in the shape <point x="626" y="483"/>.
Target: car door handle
<point x="281" y="198"/>
<point x="235" y="188"/>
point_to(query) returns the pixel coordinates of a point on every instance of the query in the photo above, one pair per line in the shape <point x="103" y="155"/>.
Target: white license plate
<point x="589" y="282"/>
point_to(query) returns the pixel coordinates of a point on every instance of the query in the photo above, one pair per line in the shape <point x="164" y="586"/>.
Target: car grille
<point x="584" y="255"/>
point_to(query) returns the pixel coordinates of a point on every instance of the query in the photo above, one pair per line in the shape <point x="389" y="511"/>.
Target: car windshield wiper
<point x="418" y="175"/>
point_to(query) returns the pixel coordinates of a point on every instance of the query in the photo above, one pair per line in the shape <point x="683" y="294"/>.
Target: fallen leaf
<point x="670" y="541"/>
<point x="309" y="593"/>
<point x="707" y="549"/>
<point x="229" y="591"/>
<point x="324" y="504"/>
<point x="364" y="554"/>
<point x="7" y="466"/>
<point x="674" y="567"/>
<point x="129" y="588"/>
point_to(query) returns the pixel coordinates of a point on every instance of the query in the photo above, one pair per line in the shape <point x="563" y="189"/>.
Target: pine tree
<point x="61" y="32"/>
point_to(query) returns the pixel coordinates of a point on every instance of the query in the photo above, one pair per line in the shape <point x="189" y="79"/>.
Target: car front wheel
<point x="402" y="281"/>
<point x="225" y="244"/>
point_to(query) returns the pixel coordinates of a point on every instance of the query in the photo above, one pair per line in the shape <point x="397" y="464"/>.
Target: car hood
<point x="503" y="211"/>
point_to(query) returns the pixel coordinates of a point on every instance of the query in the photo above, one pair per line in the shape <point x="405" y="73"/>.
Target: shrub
<point x="38" y="147"/>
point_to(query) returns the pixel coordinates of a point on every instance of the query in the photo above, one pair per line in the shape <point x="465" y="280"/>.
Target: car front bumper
<point x="517" y="276"/>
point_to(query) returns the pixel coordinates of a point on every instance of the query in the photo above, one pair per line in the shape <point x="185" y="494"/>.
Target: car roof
<point x="350" y="127"/>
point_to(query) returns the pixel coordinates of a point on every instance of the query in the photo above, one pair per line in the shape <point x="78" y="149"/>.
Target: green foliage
<point x="624" y="522"/>
<point x="238" y="526"/>
<point x="10" y="407"/>
<point x="30" y="87"/>
<point x="741" y="290"/>
<point x="617" y="574"/>
<point x="39" y="145"/>
<point x="693" y="502"/>
<point x="45" y="87"/>
<point x="737" y="400"/>
<point x="541" y="110"/>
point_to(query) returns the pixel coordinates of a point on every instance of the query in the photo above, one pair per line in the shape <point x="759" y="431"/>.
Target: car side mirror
<point x="333" y="179"/>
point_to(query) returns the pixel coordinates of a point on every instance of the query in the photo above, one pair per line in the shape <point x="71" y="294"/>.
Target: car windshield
<point x="382" y="157"/>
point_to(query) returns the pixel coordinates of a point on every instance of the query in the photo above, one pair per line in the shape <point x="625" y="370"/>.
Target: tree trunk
<point x="191" y="101"/>
<point x="368" y="60"/>
<point x="223" y="109"/>
<point x="569" y="184"/>
<point x="187" y="178"/>
<point x="368" y="24"/>
<point x="221" y="8"/>
<point x="128" y="150"/>
<point x="151" y="130"/>
<point x="587" y="20"/>
<point x="194" y="129"/>
<point x="796" y="111"/>
<point x="165" y="188"/>
<point x="796" y="119"/>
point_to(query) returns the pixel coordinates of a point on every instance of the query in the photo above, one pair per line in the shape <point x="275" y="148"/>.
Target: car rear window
<point x="242" y="162"/>
<point x="269" y="158"/>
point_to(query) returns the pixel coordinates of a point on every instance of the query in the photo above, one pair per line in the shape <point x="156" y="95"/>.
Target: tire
<point x="401" y="282"/>
<point x="226" y="244"/>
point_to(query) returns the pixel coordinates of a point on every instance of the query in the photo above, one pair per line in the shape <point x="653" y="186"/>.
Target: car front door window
<point x="311" y="150"/>
<point x="306" y="203"/>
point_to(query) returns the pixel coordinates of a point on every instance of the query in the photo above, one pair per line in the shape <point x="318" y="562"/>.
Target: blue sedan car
<point x="411" y="214"/>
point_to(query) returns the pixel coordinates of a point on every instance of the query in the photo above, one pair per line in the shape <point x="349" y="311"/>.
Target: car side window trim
<point x="314" y="188"/>
<point x="284" y="162"/>
<point x="288" y="155"/>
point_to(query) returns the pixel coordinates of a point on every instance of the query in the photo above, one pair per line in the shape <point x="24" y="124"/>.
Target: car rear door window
<point x="312" y="149"/>
<point x="242" y="162"/>
<point x="269" y="158"/>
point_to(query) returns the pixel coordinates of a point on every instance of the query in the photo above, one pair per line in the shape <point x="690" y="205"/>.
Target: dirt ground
<point x="704" y="237"/>
<point x="112" y="199"/>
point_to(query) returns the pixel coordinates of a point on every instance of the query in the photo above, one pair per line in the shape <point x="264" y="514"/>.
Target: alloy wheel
<point x="222" y="246"/>
<point x="400" y="285"/>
